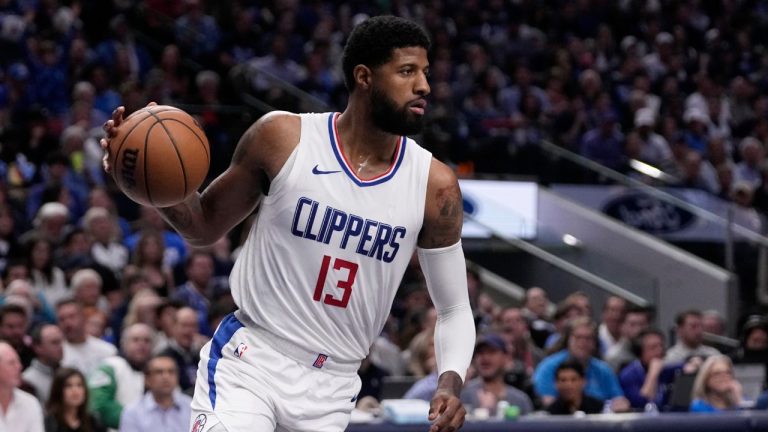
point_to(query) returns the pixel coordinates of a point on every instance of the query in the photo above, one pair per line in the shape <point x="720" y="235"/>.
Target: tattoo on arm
<point x="447" y="228"/>
<point x="179" y="217"/>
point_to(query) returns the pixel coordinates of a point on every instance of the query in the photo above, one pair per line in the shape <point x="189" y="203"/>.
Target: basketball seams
<point x="175" y="148"/>
<point x="167" y="186"/>
<point x="203" y="142"/>
<point x="125" y="138"/>
<point x="146" y="158"/>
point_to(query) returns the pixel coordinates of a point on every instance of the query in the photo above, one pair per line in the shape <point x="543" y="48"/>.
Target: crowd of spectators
<point x="100" y="299"/>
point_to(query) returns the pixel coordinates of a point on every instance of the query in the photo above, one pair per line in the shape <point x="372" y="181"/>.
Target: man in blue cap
<point x="488" y="388"/>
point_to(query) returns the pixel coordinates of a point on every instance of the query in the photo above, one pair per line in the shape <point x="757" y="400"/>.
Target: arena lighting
<point x="650" y="171"/>
<point x="571" y="240"/>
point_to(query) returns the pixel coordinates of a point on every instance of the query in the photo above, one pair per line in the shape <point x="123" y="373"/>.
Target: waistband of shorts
<point x="311" y="359"/>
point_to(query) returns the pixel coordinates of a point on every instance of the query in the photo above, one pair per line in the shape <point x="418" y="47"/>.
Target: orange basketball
<point x="160" y="156"/>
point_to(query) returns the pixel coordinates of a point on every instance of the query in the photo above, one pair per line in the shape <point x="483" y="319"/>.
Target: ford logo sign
<point x="649" y="214"/>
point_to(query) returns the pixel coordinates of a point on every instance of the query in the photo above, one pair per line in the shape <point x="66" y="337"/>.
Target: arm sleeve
<point x="446" y="275"/>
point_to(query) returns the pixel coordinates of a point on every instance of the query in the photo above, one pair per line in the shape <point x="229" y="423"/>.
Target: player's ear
<point x="363" y="75"/>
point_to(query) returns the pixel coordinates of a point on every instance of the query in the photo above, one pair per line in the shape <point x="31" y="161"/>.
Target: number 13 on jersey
<point x="344" y="284"/>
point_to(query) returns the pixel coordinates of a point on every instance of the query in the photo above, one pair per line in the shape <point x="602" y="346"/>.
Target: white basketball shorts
<point x="248" y="380"/>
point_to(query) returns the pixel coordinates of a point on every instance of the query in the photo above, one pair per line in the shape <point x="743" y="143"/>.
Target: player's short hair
<point x="372" y="41"/>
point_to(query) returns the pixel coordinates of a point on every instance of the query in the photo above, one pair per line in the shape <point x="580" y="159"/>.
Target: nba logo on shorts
<point x="240" y="350"/>
<point x="320" y="360"/>
<point x="197" y="425"/>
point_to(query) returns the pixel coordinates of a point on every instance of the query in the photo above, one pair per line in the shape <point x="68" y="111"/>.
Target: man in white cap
<point x="654" y="149"/>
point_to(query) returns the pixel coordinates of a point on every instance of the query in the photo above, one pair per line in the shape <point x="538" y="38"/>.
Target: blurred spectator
<point x="275" y="64"/>
<point x="119" y="380"/>
<point x="184" y="347"/>
<point x="99" y="197"/>
<point x="536" y="311"/>
<point x="609" y="330"/>
<point x="165" y="320"/>
<point x="200" y="287"/>
<point x="605" y="143"/>
<point x="148" y="258"/>
<point x="715" y="388"/>
<point x="175" y="251"/>
<point x="648" y="379"/>
<point x="59" y="184"/>
<point x="47" y="343"/>
<point x="162" y="404"/>
<point x="425" y="387"/>
<point x="654" y="149"/>
<point x="49" y="224"/>
<point x="371" y="379"/>
<point x="635" y="321"/>
<point x="753" y="347"/>
<point x="571" y="398"/>
<point x="580" y="343"/>
<point x="197" y="34"/>
<point x="104" y="233"/>
<point x="169" y="80"/>
<point x="46" y="277"/>
<point x="696" y="133"/>
<point x="123" y="43"/>
<point x="142" y="307"/>
<point x="19" y="411"/>
<point x="690" y="338"/>
<point x="14" y="323"/>
<point x="581" y="301"/>
<point x="485" y="391"/>
<point x="81" y="351"/>
<point x="107" y="98"/>
<point x="42" y="312"/>
<point x="86" y="289"/>
<point x="752" y="156"/>
<point x="514" y="331"/>
<point x="67" y="408"/>
<point x="420" y="354"/>
<point x="563" y="314"/>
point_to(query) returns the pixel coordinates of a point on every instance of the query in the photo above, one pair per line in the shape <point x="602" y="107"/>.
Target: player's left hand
<point x="446" y="412"/>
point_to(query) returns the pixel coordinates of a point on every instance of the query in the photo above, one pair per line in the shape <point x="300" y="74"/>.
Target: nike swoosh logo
<point x="316" y="171"/>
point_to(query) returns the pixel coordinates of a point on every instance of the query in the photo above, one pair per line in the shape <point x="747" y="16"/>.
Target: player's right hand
<point x="110" y="130"/>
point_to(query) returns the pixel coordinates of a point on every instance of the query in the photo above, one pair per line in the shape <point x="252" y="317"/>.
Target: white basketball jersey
<point x="328" y="250"/>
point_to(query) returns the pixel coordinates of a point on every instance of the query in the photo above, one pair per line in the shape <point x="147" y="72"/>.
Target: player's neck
<point x="360" y="139"/>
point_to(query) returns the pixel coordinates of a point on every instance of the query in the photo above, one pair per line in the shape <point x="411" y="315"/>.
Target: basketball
<point x="159" y="156"/>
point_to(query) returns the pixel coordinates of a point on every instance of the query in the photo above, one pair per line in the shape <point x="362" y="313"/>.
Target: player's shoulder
<point x="277" y="123"/>
<point x="441" y="175"/>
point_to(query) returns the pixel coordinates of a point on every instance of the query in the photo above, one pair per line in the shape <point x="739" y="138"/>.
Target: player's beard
<point x="388" y="117"/>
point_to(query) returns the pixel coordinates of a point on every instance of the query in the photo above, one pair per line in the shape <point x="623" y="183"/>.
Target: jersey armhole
<point x="285" y="176"/>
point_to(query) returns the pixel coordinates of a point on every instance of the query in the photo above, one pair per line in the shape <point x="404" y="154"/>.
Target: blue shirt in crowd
<point x="601" y="381"/>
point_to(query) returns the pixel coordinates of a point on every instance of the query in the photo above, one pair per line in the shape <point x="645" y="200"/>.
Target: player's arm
<point x="204" y="217"/>
<point x="442" y="261"/>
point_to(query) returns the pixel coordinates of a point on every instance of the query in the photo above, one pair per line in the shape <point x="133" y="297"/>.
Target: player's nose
<point x="421" y="86"/>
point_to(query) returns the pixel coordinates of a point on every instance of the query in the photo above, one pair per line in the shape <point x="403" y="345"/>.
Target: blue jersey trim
<point x="229" y="325"/>
<point x="343" y="164"/>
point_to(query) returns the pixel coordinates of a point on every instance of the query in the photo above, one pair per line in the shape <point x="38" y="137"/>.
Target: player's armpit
<point x="444" y="210"/>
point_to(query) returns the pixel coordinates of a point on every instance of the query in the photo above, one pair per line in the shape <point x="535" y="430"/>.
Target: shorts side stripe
<point x="226" y="330"/>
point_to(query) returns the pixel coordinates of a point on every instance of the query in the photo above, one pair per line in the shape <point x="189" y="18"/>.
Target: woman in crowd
<point x="715" y="388"/>
<point x="67" y="408"/>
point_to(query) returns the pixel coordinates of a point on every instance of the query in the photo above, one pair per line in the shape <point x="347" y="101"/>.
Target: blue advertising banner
<point x="664" y="219"/>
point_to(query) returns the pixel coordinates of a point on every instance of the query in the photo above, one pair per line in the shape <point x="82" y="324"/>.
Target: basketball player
<point x="349" y="199"/>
